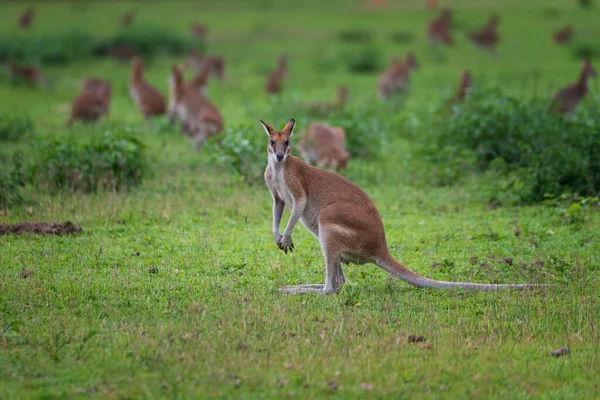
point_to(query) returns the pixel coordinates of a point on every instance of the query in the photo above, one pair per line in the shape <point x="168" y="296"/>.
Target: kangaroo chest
<point x="277" y="183"/>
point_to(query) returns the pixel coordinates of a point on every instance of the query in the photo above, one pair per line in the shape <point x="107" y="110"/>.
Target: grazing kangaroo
<point x="438" y="30"/>
<point x="324" y="145"/>
<point x="487" y="38"/>
<point x="127" y="19"/>
<point x="563" y="35"/>
<point x="92" y="103"/>
<point x="199" y="31"/>
<point x="396" y="78"/>
<point x="317" y="108"/>
<point x="26" y="18"/>
<point x="149" y="100"/>
<point x="275" y="78"/>
<point x="566" y="100"/>
<point x="30" y="74"/>
<point x="200" y="118"/>
<point x="340" y="215"/>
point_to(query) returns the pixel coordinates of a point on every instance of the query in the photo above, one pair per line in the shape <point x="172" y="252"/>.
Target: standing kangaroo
<point x="340" y="215"/>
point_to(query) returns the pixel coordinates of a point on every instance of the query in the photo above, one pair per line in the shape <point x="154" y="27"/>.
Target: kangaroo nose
<point x="279" y="157"/>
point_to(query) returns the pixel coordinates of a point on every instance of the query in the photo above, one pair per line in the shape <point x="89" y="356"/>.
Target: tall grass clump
<point x="545" y="154"/>
<point x="14" y="128"/>
<point x="13" y="177"/>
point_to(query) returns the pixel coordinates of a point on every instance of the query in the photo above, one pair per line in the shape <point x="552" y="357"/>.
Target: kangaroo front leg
<point x="297" y="210"/>
<point x="278" y="206"/>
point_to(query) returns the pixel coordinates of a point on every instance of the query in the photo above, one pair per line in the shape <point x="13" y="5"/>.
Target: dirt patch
<point x="40" y="228"/>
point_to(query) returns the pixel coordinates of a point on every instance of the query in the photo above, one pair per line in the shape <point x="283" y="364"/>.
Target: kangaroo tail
<point x="400" y="271"/>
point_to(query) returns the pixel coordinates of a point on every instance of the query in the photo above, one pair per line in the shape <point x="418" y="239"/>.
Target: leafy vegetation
<point x="114" y="161"/>
<point x="12" y="179"/>
<point x="13" y="127"/>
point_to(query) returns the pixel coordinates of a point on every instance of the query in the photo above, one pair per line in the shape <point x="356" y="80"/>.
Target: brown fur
<point x="199" y="117"/>
<point x="149" y="100"/>
<point x="396" y="78"/>
<point x="339" y="214"/>
<point x="275" y="79"/>
<point x="29" y="73"/>
<point x="487" y="38"/>
<point x="566" y="100"/>
<point x="26" y="18"/>
<point x="122" y="53"/>
<point x="463" y="86"/>
<point x="127" y="19"/>
<point x="199" y="31"/>
<point x="438" y="30"/>
<point x="324" y="145"/>
<point x="563" y="35"/>
<point x="93" y="102"/>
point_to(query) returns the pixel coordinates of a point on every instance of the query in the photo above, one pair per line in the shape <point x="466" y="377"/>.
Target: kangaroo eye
<point x="287" y="143"/>
<point x="272" y="143"/>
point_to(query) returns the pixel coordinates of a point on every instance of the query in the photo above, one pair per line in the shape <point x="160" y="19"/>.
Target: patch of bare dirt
<point x="40" y="228"/>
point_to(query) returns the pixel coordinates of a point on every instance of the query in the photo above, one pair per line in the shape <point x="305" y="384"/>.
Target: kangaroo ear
<point x="268" y="128"/>
<point x="289" y="127"/>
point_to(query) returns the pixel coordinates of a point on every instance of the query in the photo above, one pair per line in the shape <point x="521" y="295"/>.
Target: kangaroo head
<point x="588" y="70"/>
<point x="279" y="147"/>
<point x="446" y="14"/>
<point x="465" y="79"/>
<point x="137" y="67"/>
<point x="342" y="94"/>
<point x="411" y="61"/>
<point x="176" y="77"/>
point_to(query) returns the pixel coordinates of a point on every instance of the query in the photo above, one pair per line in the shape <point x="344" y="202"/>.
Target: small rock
<point x="367" y="387"/>
<point x="560" y="352"/>
<point x="415" y="339"/>
<point x="25" y="273"/>
<point x="153" y="270"/>
<point x="333" y="386"/>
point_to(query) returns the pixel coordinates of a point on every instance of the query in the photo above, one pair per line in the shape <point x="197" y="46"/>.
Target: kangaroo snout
<point x="279" y="155"/>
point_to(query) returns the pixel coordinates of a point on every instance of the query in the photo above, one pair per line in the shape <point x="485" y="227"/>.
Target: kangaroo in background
<point x="324" y="145"/>
<point x="340" y="215"/>
<point x="275" y="78"/>
<point x="566" y="100"/>
<point x="149" y="100"/>
<point x="93" y="103"/>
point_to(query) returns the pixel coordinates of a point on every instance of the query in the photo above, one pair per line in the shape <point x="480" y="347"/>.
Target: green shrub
<point x="355" y="35"/>
<point x="363" y="59"/>
<point x="242" y="149"/>
<point x="402" y="37"/>
<point x="148" y="41"/>
<point x="113" y="161"/>
<point x="53" y="49"/>
<point x="586" y="51"/>
<point x="12" y="179"/>
<point x="546" y="154"/>
<point x="13" y="128"/>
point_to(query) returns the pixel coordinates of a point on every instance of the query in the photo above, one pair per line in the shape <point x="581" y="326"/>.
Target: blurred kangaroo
<point x="26" y="18"/>
<point x="200" y="118"/>
<point x="340" y="215"/>
<point x="276" y="77"/>
<point x="563" y="35"/>
<point x="325" y="108"/>
<point x="438" y="30"/>
<point x="211" y="65"/>
<point x="92" y="103"/>
<point x="127" y="19"/>
<point x="30" y="74"/>
<point x="324" y="146"/>
<point x="149" y="100"/>
<point x="566" y="100"/>
<point x="396" y="78"/>
<point x="463" y="87"/>
<point x="487" y="38"/>
<point x="199" y="31"/>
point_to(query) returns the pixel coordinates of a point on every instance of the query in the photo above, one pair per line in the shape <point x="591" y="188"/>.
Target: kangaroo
<point x="127" y="19"/>
<point x="199" y="117"/>
<point x="26" y="18"/>
<point x="211" y="64"/>
<point x="438" y="30"/>
<point x="149" y="100"/>
<point x="326" y="108"/>
<point x="340" y="215"/>
<point x="30" y="74"/>
<point x="92" y="103"/>
<point x="275" y="78"/>
<point x="563" y="35"/>
<point x="487" y="38"/>
<point x="324" y="145"/>
<point x="199" y="31"/>
<point x="396" y="78"/>
<point x="566" y="100"/>
<point x="463" y="87"/>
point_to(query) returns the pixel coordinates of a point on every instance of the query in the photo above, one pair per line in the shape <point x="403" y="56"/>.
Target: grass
<point x="170" y="290"/>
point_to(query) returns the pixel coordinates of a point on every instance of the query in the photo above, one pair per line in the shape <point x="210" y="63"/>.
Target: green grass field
<point x="91" y="320"/>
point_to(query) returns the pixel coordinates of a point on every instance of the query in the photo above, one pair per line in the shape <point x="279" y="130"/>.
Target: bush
<point x="402" y="37"/>
<point x="114" y="161"/>
<point x="362" y="60"/>
<point x="12" y="179"/>
<point x="242" y="149"/>
<point x="56" y="49"/>
<point x="148" y="41"/>
<point x="13" y="128"/>
<point x="355" y="35"/>
<point x="548" y="154"/>
<point x="586" y="51"/>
